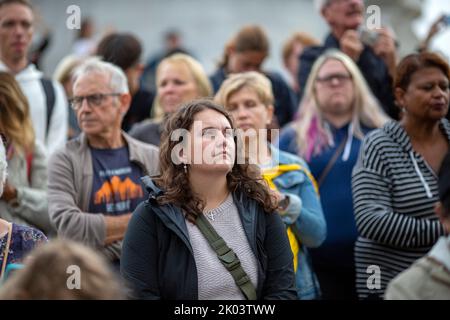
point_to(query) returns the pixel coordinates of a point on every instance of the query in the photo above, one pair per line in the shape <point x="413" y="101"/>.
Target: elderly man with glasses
<point x="94" y="181"/>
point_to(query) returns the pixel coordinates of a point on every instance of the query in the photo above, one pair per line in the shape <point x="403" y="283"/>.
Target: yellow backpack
<point x="270" y="174"/>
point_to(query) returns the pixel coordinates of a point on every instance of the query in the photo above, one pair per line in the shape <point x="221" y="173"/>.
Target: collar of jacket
<point x="279" y="157"/>
<point x="331" y="41"/>
<point x="174" y="219"/>
<point x="396" y="131"/>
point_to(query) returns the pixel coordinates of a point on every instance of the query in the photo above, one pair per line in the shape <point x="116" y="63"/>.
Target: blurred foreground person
<point x="63" y="270"/>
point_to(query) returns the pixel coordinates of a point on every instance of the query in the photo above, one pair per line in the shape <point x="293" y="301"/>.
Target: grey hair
<point x="118" y="79"/>
<point x="3" y="166"/>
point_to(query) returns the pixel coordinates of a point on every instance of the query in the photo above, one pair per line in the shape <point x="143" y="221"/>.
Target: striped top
<point x="394" y="193"/>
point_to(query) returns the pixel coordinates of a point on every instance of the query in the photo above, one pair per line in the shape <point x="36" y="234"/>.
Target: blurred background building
<point x="205" y="25"/>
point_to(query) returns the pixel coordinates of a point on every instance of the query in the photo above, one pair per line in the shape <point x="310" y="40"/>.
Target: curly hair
<point x="245" y="178"/>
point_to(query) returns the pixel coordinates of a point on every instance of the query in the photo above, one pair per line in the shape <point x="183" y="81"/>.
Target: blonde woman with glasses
<point x="337" y="110"/>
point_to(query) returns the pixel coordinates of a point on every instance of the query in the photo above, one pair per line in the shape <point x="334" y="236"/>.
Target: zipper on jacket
<point x="419" y="173"/>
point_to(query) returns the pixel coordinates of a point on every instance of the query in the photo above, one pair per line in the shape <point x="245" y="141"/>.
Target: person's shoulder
<point x="29" y="234"/>
<point x="288" y="129"/>
<point x="144" y="95"/>
<point x="144" y="211"/>
<point x="289" y="158"/>
<point x="39" y="149"/>
<point x="274" y="76"/>
<point x="142" y="146"/>
<point x="70" y="148"/>
<point x="313" y="52"/>
<point x="150" y="210"/>
<point x="144" y="127"/>
<point x="378" y="136"/>
<point x="288" y="138"/>
<point x="217" y="74"/>
<point x="411" y="283"/>
<point x="59" y="89"/>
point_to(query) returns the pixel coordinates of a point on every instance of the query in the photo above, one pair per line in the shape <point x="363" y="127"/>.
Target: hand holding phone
<point x="368" y="37"/>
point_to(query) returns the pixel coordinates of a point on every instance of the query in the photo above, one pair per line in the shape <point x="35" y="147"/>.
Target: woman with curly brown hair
<point x="166" y="252"/>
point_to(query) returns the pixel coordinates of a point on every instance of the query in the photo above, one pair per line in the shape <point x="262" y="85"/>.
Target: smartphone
<point x="368" y="37"/>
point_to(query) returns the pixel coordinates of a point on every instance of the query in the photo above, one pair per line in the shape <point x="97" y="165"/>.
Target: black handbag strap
<point x="227" y="257"/>
<point x="50" y="98"/>
<point x="332" y="161"/>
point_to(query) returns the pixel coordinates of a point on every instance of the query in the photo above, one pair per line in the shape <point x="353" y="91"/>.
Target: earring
<point x="185" y="168"/>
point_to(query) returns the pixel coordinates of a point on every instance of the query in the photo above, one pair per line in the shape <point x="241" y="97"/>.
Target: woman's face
<point x="239" y="62"/>
<point x="427" y="95"/>
<point x="334" y="88"/>
<point x="292" y="61"/>
<point x="212" y="146"/>
<point x="176" y="86"/>
<point x="248" y="111"/>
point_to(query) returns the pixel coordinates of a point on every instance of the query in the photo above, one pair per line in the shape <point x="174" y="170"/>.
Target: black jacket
<point x="371" y="66"/>
<point x="158" y="261"/>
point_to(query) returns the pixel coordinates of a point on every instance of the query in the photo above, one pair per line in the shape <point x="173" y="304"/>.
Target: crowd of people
<point x="239" y="185"/>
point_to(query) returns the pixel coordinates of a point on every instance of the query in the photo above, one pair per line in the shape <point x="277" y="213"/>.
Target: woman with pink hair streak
<point x="336" y="112"/>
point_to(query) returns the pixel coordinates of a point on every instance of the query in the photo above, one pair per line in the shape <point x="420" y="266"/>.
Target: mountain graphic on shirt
<point x="116" y="190"/>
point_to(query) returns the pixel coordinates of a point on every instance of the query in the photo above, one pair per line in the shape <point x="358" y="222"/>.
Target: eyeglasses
<point x="93" y="100"/>
<point x="340" y="77"/>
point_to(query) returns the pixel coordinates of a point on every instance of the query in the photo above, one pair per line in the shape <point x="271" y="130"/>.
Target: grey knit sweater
<point x="214" y="280"/>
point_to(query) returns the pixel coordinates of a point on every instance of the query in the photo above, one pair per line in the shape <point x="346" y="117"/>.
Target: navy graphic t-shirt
<point x="116" y="187"/>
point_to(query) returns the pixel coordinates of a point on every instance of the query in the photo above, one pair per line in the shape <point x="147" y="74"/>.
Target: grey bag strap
<point x="228" y="258"/>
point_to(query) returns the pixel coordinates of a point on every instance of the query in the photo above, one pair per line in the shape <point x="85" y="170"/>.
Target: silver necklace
<point x="212" y="215"/>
